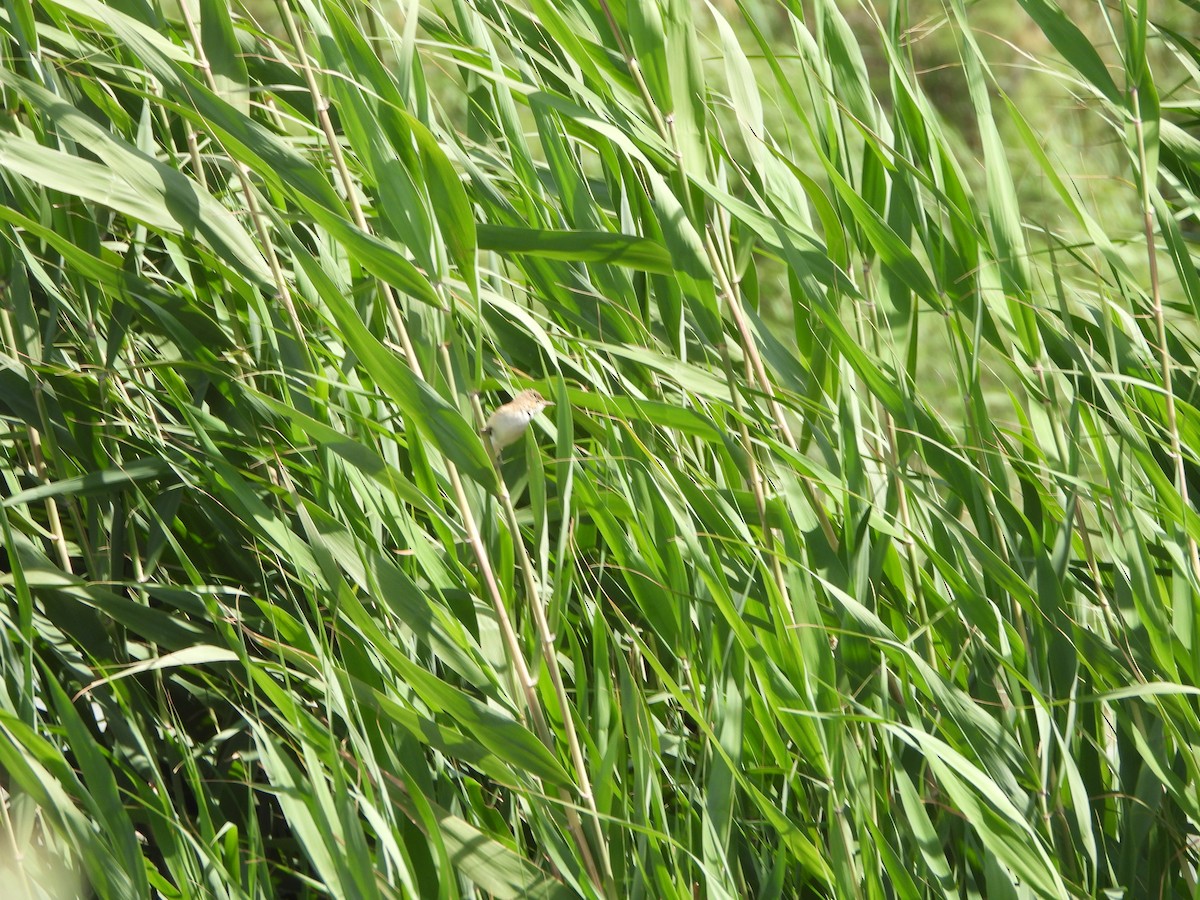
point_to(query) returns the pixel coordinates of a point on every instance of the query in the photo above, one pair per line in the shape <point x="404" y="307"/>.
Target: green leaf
<point x="129" y="181"/>
<point x="102" y="482"/>
<point x="578" y="246"/>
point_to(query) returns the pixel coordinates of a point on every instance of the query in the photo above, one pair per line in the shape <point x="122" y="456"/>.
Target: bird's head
<point x="533" y="400"/>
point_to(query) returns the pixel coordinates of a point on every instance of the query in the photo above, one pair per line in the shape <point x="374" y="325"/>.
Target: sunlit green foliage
<point x="901" y="604"/>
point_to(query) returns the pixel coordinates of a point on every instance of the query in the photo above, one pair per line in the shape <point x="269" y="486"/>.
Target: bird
<point x="508" y="422"/>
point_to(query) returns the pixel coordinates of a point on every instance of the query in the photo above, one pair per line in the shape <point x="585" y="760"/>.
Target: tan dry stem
<point x="243" y="174"/>
<point x="751" y="349"/>
<point x="550" y="655"/>
<point x="1160" y="325"/>
<point x="520" y="669"/>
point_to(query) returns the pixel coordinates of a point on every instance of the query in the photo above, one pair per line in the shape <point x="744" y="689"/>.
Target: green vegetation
<point x="902" y="600"/>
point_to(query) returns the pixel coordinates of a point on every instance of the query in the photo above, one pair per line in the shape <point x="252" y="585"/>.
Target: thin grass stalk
<point x="71" y="502"/>
<point x="892" y="459"/>
<point x="1078" y="519"/>
<point x="635" y="69"/>
<point x="757" y="487"/>
<point x="517" y="660"/>
<point x="25" y="704"/>
<point x="58" y="538"/>
<point x="321" y="105"/>
<point x="243" y="174"/>
<point x="194" y="154"/>
<point x="764" y="383"/>
<point x="550" y="655"/>
<point x="1160" y="323"/>
<point x="524" y="678"/>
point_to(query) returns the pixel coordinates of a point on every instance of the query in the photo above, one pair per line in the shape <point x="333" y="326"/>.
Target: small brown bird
<point x="509" y="421"/>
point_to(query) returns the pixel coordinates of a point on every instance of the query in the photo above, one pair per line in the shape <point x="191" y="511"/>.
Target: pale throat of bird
<point x="509" y="421"/>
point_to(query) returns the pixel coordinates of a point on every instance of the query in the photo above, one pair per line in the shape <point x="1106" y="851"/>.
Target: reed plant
<point x="857" y="556"/>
